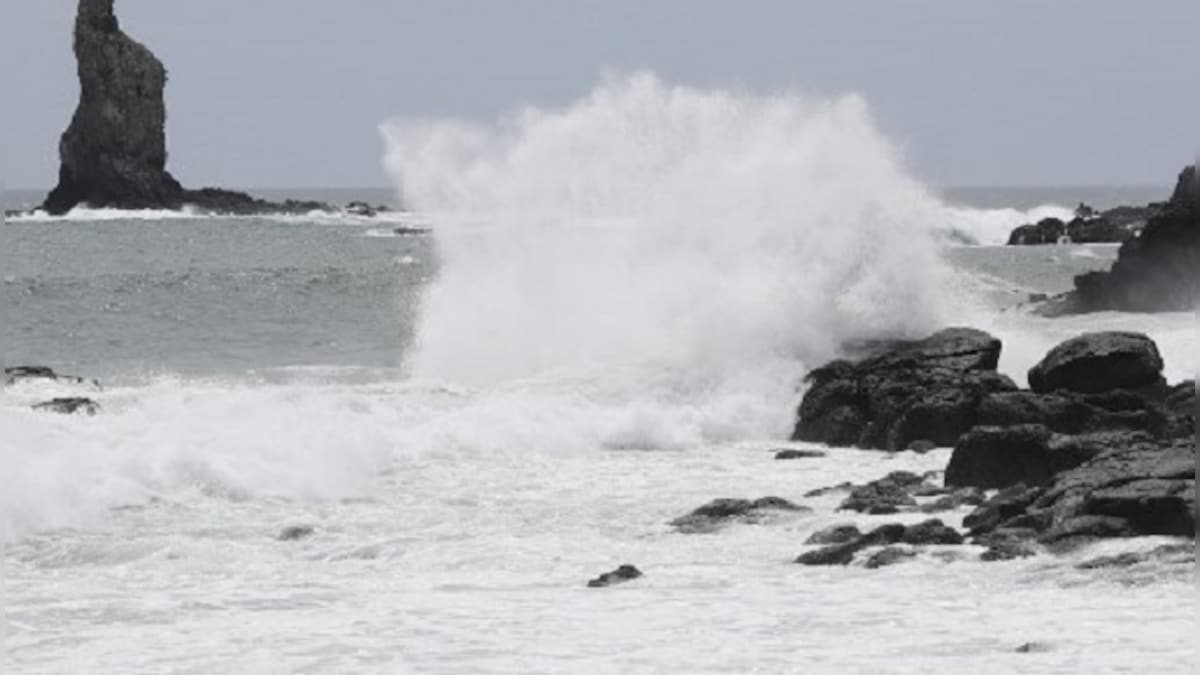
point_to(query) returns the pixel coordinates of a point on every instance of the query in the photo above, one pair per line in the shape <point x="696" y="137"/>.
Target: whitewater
<point x="609" y="327"/>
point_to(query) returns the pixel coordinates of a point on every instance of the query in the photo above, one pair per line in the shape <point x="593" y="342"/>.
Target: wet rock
<point x="798" y="454"/>
<point x="830" y="489"/>
<point x="931" y="532"/>
<point x="1181" y="554"/>
<point x="1099" y="362"/>
<point x="925" y="390"/>
<point x="1045" y="231"/>
<point x="296" y="532"/>
<point x="1008" y="548"/>
<point x="114" y="152"/>
<point x="955" y="500"/>
<point x="843" y="554"/>
<point x="1006" y="504"/>
<point x="889" y="556"/>
<point x="997" y="457"/>
<point x="877" y="498"/>
<point x="620" y="575"/>
<point x="720" y="512"/>
<point x="19" y="374"/>
<point x="921" y="447"/>
<point x="363" y="209"/>
<point x="69" y="406"/>
<point x="1034" y="648"/>
<point x="1154" y="272"/>
<point x="834" y="534"/>
<point x="1067" y="413"/>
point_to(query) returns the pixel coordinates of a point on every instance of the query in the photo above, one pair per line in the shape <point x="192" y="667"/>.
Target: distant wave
<point x="83" y="214"/>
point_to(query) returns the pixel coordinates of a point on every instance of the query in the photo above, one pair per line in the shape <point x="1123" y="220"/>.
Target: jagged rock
<point x="798" y="454"/>
<point x="998" y="457"/>
<point x="1157" y="271"/>
<point x="1099" y="362"/>
<point x="69" y="406"/>
<point x="1045" y="231"/>
<point x="843" y="554"/>
<point x="18" y="374"/>
<point x="620" y="575"/>
<point x="1068" y="413"/>
<point x="834" y="534"/>
<point x="1004" y="505"/>
<point x="889" y="556"/>
<point x="114" y="152"/>
<point x="925" y="390"/>
<point x="296" y="532"/>
<point x="719" y="512"/>
<point x="955" y="500"/>
<point x="889" y="494"/>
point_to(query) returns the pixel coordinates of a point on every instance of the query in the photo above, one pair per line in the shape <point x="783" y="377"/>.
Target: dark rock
<point x="799" y="454"/>
<point x="997" y="457"/>
<point x="69" y="406"/>
<point x="921" y="446"/>
<point x="835" y="534"/>
<point x="843" y="554"/>
<point x="926" y="390"/>
<point x="114" y="152"/>
<point x="618" y="576"/>
<point x="1099" y="362"/>
<point x="931" y="532"/>
<point x="1157" y="271"/>
<point x="405" y="231"/>
<point x="1005" y="505"/>
<point x="18" y="374"/>
<point x="720" y="512"/>
<point x="889" y="556"/>
<point x="1034" y="648"/>
<point x="296" y="532"/>
<point x="1045" y="231"/>
<point x="362" y="209"/>
<point x="1097" y="230"/>
<point x="1083" y="528"/>
<point x="878" y="498"/>
<point x="955" y="500"/>
<point x="1184" y="554"/>
<point x="831" y="489"/>
<point x="1008" y="548"/>
<point x="1068" y="413"/>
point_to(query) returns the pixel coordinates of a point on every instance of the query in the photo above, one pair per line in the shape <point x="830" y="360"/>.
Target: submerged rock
<point x="843" y="553"/>
<point x="834" y="534"/>
<point x="296" y="532"/>
<point x="890" y="494"/>
<point x="618" y="576"/>
<point x="69" y="406"/>
<point x="19" y="374"/>
<point x="798" y="454"/>
<point x="720" y="512"/>
<point x="889" y="556"/>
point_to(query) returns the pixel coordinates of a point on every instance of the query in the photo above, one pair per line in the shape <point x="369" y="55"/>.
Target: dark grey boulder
<point x="620" y="575"/>
<point x="1099" y="362"/>
<point x="931" y="532"/>
<point x="834" y="534"/>
<point x="889" y="556"/>
<point x="69" y="406"/>
<point x="926" y="390"/>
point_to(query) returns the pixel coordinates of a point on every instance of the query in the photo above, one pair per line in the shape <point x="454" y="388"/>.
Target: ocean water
<point x="608" y="327"/>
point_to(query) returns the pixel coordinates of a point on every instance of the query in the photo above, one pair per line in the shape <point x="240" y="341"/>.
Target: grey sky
<point x="290" y="92"/>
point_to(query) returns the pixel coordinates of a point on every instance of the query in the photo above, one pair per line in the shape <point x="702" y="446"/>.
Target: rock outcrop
<point x="1099" y="362"/>
<point x="1158" y="271"/>
<point x="114" y="153"/>
<point x="927" y="390"/>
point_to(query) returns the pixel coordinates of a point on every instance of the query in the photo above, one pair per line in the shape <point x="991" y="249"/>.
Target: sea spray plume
<point x="704" y="230"/>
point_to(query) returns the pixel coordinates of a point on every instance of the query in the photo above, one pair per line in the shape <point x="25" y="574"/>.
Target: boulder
<point x="927" y="390"/>
<point x="1045" y="231"/>
<point x="620" y="575"/>
<point x="889" y="494"/>
<point x="834" y="534"/>
<point x="1099" y="362"/>
<point x="931" y="532"/>
<point x="843" y="552"/>
<point x="1068" y="413"/>
<point x="889" y="556"/>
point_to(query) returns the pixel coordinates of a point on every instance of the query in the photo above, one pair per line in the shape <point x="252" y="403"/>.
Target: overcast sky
<point x="268" y="93"/>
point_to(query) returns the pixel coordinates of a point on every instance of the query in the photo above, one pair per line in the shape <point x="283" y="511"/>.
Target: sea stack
<point x="114" y="153"/>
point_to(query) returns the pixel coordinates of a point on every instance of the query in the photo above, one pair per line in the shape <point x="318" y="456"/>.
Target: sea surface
<point x="476" y="421"/>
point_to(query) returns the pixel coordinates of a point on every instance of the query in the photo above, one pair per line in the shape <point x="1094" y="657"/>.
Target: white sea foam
<point x="993" y="226"/>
